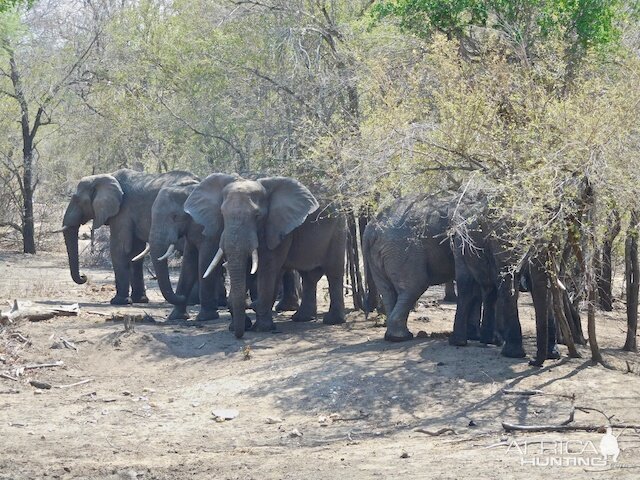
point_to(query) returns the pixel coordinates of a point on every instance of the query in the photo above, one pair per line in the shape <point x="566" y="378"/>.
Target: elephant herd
<point x="263" y="227"/>
<point x="266" y="227"/>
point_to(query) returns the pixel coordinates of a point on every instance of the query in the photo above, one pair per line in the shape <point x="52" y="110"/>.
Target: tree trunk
<point x="28" y="226"/>
<point x="605" y="271"/>
<point x="632" y="276"/>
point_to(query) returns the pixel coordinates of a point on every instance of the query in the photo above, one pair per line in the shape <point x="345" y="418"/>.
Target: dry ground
<point x="314" y="401"/>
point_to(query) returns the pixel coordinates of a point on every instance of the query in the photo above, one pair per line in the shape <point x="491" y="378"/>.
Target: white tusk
<point x="214" y="263"/>
<point x="168" y="253"/>
<point x="61" y="230"/>
<point x="141" y="255"/>
<point x="254" y="261"/>
<point x="560" y="284"/>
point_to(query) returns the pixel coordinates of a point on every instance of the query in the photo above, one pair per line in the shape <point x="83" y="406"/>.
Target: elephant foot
<point x="205" y="315"/>
<point x="248" y="325"/>
<point x="222" y="302"/>
<point x="401" y="336"/>
<point x="117" y="300"/>
<point x="553" y="353"/>
<point x="178" y="313"/>
<point x="264" y="326"/>
<point x="141" y="299"/>
<point x="473" y="335"/>
<point x="536" y="362"/>
<point x="301" y="316"/>
<point x="492" y="341"/>
<point x="512" y="350"/>
<point x="335" y="318"/>
<point x="287" y="305"/>
<point x="457" y="341"/>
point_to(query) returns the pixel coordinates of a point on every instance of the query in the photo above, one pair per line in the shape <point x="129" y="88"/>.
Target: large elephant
<point x="276" y="222"/>
<point x="122" y="200"/>
<point x="171" y="224"/>
<point x="485" y="261"/>
<point x="407" y="250"/>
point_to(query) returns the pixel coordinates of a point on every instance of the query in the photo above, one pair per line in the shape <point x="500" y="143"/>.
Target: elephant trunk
<point x="164" y="282"/>
<point x="71" y="241"/>
<point x="237" y="271"/>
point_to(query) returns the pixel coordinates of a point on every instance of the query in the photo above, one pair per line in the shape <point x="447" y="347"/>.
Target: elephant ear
<point x="290" y="203"/>
<point x="205" y="201"/>
<point x="107" y="198"/>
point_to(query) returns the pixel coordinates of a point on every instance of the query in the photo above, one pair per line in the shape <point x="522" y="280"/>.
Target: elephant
<point x="169" y="224"/>
<point x="407" y="250"/>
<point x="277" y="223"/>
<point x="484" y="261"/>
<point x="122" y="200"/>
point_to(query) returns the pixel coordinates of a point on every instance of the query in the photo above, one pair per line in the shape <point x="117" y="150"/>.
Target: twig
<point x="442" y="431"/>
<point x="81" y="382"/>
<point x="68" y="344"/>
<point x="527" y="393"/>
<point x="58" y="363"/>
<point x="510" y="427"/>
<point x="8" y="377"/>
<point x="21" y="337"/>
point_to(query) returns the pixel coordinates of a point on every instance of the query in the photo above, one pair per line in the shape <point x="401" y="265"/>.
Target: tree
<point x="33" y="103"/>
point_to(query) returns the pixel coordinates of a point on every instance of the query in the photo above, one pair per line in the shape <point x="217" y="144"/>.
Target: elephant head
<point x="247" y="213"/>
<point x="97" y="197"/>
<point x="169" y="222"/>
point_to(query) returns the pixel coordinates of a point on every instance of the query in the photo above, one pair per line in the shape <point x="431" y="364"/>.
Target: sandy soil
<point x="313" y="401"/>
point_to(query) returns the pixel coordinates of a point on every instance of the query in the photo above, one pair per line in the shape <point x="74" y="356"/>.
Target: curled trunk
<point x="164" y="282"/>
<point x="71" y="242"/>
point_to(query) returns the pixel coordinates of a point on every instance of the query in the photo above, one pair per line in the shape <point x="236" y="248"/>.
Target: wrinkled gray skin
<point x="122" y="200"/>
<point x="170" y="223"/>
<point x="278" y="217"/>
<point x="483" y="263"/>
<point x="406" y="250"/>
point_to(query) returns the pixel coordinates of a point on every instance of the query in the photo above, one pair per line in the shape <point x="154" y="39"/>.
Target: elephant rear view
<point x="122" y="200"/>
<point x="275" y="224"/>
<point x="406" y="250"/>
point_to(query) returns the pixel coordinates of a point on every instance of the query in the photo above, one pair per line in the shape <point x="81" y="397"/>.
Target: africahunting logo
<point x="566" y="453"/>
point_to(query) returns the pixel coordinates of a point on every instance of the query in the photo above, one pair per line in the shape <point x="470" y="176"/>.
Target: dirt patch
<point x="312" y="401"/>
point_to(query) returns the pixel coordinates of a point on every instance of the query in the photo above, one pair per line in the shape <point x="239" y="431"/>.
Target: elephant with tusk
<point x="276" y="224"/>
<point x="122" y="200"/>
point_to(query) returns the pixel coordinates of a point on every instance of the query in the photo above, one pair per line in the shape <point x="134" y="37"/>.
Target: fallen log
<point x="37" y="312"/>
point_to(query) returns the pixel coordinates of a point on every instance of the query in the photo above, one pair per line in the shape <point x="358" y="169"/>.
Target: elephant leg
<point x="122" y="271"/>
<point x="309" y="305"/>
<point x="475" y="313"/>
<point x="488" y="327"/>
<point x="466" y="306"/>
<point x="335" y="315"/>
<point x="188" y="273"/>
<point x="289" y="300"/>
<point x="512" y="330"/>
<point x="540" y="296"/>
<point x="220" y="290"/>
<point x="267" y="275"/>
<point x="209" y="287"/>
<point x="397" y="330"/>
<point x="209" y="290"/>
<point x="138" y="293"/>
